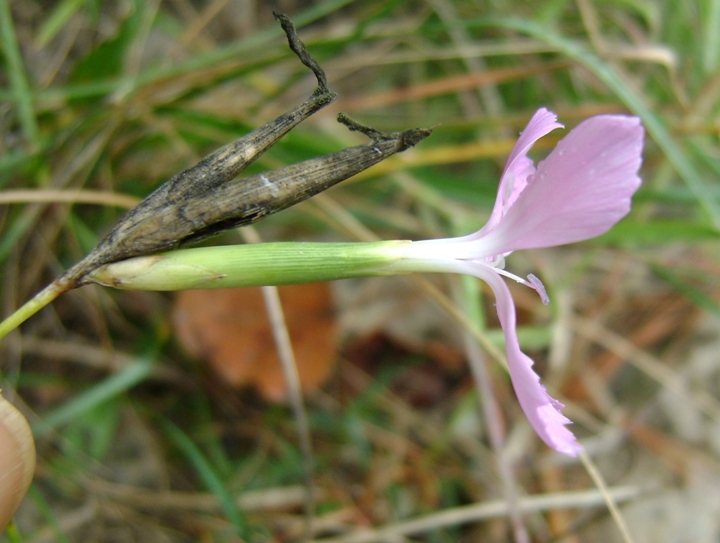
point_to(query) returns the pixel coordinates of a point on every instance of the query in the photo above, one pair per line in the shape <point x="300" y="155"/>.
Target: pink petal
<point x="543" y="412"/>
<point x="518" y="166"/>
<point x="580" y="191"/>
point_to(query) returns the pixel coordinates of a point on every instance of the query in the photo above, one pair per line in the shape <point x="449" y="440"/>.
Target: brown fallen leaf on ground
<point x="230" y="329"/>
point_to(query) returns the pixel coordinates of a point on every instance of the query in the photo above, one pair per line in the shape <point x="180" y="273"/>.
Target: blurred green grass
<point x="119" y="96"/>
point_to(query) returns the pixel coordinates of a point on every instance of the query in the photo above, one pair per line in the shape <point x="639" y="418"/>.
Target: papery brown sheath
<point x="207" y="199"/>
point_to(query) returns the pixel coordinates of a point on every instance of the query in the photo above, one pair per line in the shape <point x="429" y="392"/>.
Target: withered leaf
<point x="230" y="329"/>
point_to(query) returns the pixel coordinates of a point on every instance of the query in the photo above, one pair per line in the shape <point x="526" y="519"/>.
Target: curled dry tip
<point x="17" y="460"/>
<point x="407" y="138"/>
<point x="355" y="126"/>
<point x="283" y="19"/>
<point x="298" y="47"/>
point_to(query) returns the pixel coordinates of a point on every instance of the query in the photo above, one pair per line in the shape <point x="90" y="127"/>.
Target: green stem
<point x="40" y="300"/>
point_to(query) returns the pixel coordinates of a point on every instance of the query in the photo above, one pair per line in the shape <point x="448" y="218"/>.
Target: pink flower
<point x="578" y="192"/>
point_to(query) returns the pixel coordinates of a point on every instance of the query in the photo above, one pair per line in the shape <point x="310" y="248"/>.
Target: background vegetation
<point x="137" y="441"/>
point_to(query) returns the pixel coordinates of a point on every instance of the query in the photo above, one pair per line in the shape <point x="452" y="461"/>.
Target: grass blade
<point x="112" y="386"/>
<point x="212" y="479"/>
<point x="16" y="73"/>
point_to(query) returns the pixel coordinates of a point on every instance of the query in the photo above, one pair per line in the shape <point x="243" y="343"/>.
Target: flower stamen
<point x="532" y="281"/>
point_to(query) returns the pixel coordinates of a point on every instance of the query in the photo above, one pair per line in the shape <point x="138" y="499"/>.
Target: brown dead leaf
<point x="230" y="329"/>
